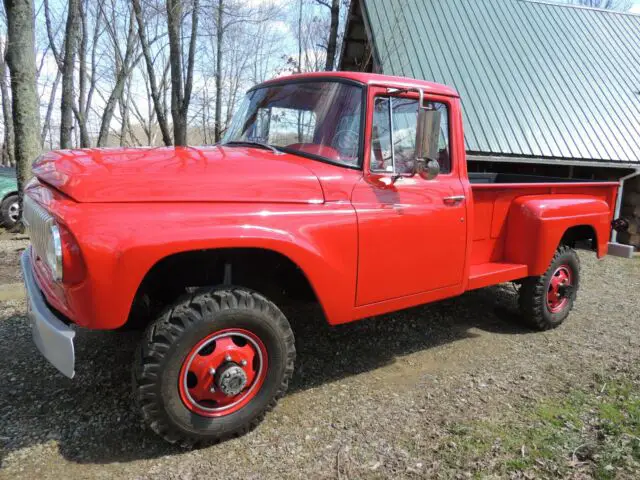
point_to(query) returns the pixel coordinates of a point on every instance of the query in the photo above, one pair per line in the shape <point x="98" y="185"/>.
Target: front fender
<point x="320" y="239"/>
<point x="537" y="223"/>
<point x="5" y="192"/>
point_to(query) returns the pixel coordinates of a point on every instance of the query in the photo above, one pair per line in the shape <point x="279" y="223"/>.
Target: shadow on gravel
<point x="326" y="354"/>
<point x="92" y="417"/>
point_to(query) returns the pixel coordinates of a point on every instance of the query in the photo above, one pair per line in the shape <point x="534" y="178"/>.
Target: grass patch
<point x="590" y="431"/>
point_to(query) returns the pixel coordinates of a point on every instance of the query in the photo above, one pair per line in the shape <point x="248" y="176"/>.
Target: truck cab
<point x="349" y="189"/>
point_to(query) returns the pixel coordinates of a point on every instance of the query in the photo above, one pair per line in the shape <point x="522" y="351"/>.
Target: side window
<point x="393" y="138"/>
<point x="444" y="152"/>
<point x="381" y="157"/>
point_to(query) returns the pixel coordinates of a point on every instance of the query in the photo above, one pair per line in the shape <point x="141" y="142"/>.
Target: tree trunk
<point x="191" y="60"/>
<point x="47" y="118"/>
<point x="180" y="96"/>
<point x="220" y="37"/>
<point x="22" y="64"/>
<point x="174" y="27"/>
<point x="158" y="101"/>
<point x="124" y="124"/>
<point x="124" y="67"/>
<point x="333" y="35"/>
<point x="300" y="65"/>
<point x="7" y="145"/>
<point x="109" y="108"/>
<point x="66" y="109"/>
<point x="85" y="142"/>
<point x="300" y="37"/>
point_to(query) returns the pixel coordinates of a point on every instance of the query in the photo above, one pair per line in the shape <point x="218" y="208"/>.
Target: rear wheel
<point x="10" y="211"/>
<point x="546" y="300"/>
<point x="212" y="365"/>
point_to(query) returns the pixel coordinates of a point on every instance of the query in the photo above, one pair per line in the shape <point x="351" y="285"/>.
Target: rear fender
<point x="536" y="224"/>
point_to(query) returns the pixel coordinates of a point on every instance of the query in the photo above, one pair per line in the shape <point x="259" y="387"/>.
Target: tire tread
<point x="532" y="297"/>
<point x="168" y="328"/>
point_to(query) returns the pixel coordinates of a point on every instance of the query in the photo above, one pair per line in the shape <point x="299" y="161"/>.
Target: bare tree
<point x="229" y="17"/>
<point x="264" y="43"/>
<point x="86" y="72"/>
<point x="101" y="94"/>
<point x="66" y="106"/>
<point x="145" y="118"/>
<point x="300" y="10"/>
<point x="332" y="41"/>
<point x="22" y="65"/>
<point x="51" y="104"/>
<point x="123" y="67"/>
<point x="220" y="28"/>
<point x="181" y="94"/>
<point x="311" y="36"/>
<point x="7" y="144"/>
<point x="158" y="99"/>
<point x="620" y="5"/>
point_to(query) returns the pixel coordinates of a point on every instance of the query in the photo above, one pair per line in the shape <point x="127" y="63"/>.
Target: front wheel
<point x="10" y="211"/>
<point x="212" y="365"/>
<point x="546" y="300"/>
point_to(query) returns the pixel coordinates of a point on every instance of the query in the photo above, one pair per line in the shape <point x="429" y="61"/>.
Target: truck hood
<point x="180" y="174"/>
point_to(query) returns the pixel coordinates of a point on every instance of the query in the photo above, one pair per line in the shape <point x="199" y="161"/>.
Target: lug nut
<point x="243" y="363"/>
<point x="212" y="371"/>
<point x="228" y="358"/>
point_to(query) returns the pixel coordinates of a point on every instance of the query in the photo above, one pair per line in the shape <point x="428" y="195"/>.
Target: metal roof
<point x="536" y="79"/>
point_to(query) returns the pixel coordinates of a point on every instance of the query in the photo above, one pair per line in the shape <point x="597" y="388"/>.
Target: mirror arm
<point x="398" y="176"/>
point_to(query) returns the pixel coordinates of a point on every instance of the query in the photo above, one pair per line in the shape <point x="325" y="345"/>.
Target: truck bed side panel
<point x="520" y="223"/>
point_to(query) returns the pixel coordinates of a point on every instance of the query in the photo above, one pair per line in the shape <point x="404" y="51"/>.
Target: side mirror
<point x="427" y="137"/>
<point x="428" y="169"/>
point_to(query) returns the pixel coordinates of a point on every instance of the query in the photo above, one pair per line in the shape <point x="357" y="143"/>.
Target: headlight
<point x="54" y="252"/>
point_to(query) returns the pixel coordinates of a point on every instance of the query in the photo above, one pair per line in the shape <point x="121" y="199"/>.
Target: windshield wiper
<point x="252" y="142"/>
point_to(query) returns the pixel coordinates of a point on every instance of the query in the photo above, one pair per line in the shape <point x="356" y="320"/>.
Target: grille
<point x="38" y="222"/>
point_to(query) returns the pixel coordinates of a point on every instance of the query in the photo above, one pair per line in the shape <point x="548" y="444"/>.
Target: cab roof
<point x="372" y="79"/>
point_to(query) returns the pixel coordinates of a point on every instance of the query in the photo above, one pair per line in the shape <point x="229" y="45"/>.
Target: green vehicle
<point x="9" y="209"/>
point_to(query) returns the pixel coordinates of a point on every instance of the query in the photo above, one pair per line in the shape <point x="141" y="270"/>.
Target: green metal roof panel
<point x="536" y="79"/>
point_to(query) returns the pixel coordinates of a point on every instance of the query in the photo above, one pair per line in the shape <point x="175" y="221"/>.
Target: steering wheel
<point x="346" y="142"/>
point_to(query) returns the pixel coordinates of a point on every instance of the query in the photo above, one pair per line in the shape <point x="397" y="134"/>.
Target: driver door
<point x="412" y="231"/>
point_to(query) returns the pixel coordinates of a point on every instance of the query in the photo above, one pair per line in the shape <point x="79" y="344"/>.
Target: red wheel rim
<point x="217" y="366"/>
<point x="557" y="297"/>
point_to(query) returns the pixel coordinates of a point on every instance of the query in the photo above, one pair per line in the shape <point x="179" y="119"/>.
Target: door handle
<point x="453" y="200"/>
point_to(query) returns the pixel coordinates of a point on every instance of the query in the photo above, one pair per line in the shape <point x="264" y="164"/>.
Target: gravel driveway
<point x="374" y="399"/>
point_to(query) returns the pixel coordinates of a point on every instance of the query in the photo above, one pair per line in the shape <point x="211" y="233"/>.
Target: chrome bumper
<point x="620" y="250"/>
<point x="52" y="336"/>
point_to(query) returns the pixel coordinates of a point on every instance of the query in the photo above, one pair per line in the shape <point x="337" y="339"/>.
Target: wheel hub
<point x="560" y="288"/>
<point x="231" y="379"/>
<point x="223" y="372"/>
<point x="14" y="211"/>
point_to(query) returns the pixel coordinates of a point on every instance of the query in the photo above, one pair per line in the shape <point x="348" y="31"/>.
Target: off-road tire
<point x="533" y="292"/>
<point x="5" y="218"/>
<point x="167" y="342"/>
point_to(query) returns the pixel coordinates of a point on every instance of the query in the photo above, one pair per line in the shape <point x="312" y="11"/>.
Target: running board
<point x="486" y="274"/>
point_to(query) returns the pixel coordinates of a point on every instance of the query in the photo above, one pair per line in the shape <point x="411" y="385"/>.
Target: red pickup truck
<point x="349" y="189"/>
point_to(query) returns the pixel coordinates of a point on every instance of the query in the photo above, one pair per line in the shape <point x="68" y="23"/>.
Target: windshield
<point x="317" y="119"/>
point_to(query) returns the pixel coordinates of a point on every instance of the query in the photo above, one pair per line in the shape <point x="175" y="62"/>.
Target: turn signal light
<point x="73" y="266"/>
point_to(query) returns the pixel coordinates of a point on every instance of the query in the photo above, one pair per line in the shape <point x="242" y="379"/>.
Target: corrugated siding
<point x="535" y="79"/>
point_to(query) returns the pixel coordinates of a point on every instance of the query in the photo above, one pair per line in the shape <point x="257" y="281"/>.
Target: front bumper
<point x="620" y="250"/>
<point x="52" y="336"/>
